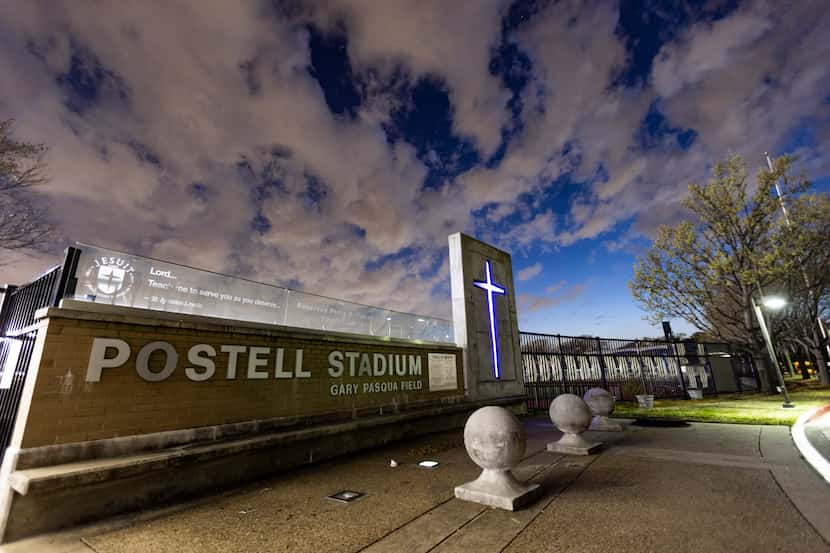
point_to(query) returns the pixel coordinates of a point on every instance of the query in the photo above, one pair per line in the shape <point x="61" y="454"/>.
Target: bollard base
<point x="499" y="489"/>
<point x="602" y="424"/>
<point x="574" y="444"/>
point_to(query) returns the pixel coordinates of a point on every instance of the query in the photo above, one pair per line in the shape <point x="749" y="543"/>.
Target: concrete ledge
<point x="52" y="497"/>
<point x="132" y="445"/>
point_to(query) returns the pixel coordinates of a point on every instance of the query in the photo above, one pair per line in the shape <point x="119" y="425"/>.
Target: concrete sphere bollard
<point x="494" y="438"/>
<point x="570" y="414"/>
<point x="495" y="441"/>
<point x="601" y="403"/>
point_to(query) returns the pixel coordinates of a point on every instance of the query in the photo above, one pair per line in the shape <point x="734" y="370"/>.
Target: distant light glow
<point x="492" y="288"/>
<point x="774" y="302"/>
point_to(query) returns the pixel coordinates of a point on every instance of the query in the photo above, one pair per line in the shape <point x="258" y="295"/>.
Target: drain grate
<point x="345" y="496"/>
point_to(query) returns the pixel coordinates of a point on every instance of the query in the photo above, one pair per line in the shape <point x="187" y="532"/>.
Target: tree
<point x="21" y="167"/>
<point x="804" y="242"/>
<point x="736" y="244"/>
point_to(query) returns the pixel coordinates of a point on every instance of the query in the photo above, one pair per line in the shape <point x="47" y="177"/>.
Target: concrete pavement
<point x="698" y="488"/>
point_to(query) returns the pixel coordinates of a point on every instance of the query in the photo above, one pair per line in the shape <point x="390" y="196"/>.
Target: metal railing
<point x="18" y="332"/>
<point x="554" y="364"/>
<point x="112" y="277"/>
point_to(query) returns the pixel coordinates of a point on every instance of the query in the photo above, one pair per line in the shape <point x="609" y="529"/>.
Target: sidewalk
<point x="699" y="488"/>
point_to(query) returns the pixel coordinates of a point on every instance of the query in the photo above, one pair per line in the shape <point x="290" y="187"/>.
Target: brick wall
<point x="66" y="408"/>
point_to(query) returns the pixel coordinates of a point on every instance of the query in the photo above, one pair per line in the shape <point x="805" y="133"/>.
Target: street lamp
<point x="772" y="302"/>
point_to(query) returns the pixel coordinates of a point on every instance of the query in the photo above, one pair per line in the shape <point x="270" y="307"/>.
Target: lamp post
<point x="772" y="302"/>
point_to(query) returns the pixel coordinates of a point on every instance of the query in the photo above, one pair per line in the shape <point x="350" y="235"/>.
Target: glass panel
<point x="116" y="278"/>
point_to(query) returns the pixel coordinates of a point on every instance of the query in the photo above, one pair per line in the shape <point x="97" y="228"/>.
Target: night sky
<point x="333" y="146"/>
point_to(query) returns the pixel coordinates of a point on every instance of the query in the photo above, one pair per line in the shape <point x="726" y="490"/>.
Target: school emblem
<point x="110" y="276"/>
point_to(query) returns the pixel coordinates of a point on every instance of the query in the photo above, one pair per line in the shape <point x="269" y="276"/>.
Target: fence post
<point x="670" y="342"/>
<point x="602" y="365"/>
<point x="67" y="281"/>
<point x="640" y="366"/>
<point x="563" y="365"/>
<point x="4" y="308"/>
<point x="708" y="365"/>
<point x="755" y="374"/>
<point x="737" y="378"/>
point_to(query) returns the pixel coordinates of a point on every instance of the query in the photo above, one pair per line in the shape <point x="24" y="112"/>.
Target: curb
<point x="811" y="454"/>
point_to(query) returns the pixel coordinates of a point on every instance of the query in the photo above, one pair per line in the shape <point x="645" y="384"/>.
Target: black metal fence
<point x="18" y="332"/>
<point x="554" y="364"/>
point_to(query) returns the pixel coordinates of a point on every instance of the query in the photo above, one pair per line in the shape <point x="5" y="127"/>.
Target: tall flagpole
<point x="803" y="273"/>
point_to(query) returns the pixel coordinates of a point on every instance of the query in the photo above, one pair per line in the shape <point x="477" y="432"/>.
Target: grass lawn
<point x="733" y="408"/>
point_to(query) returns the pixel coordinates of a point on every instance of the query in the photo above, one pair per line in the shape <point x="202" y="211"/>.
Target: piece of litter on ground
<point x="393" y="463"/>
<point x="246" y="512"/>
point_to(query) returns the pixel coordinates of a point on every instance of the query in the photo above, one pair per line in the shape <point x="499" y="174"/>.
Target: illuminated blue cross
<point x="492" y="288"/>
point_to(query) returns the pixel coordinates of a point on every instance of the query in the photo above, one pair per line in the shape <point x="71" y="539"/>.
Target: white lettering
<point x="98" y="357"/>
<point x="298" y="366"/>
<point x="193" y="356"/>
<point x="379" y="387"/>
<point x="142" y="365"/>
<point x="380" y="364"/>
<point x="335" y="364"/>
<point x="343" y="389"/>
<point x="365" y="365"/>
<point x="351" y="355"/>
<point x="414" y="365"/>
<point x="233" y="352"/>
<point x="255" y="361"/>
<point x="278" y="372"/>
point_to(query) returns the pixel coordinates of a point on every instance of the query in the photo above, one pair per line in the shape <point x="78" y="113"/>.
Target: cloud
<point x="530" y="303"/>
<point x="450" y="39"/>
<point x="196" y="131"/>
<point x="252" y="155"/>
<point x="529" y="272"/>
<point x="706" y="48"/>
<point x="554" y="287"/>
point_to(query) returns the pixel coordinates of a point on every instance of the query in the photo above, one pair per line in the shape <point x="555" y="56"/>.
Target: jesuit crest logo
<point x="110" y="276"/>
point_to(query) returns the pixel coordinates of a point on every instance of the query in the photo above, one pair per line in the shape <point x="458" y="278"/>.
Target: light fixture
<point x="491" y="288"/>
<point x="345" y="496"/>
<point x="774" y="302"/>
